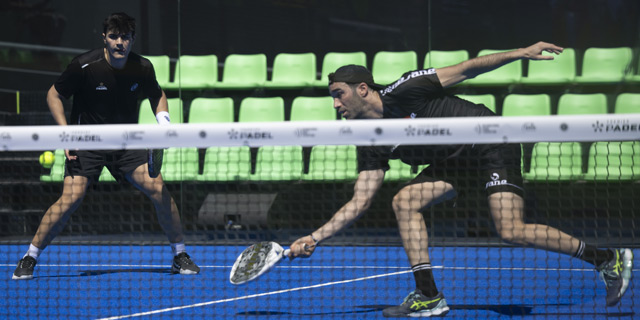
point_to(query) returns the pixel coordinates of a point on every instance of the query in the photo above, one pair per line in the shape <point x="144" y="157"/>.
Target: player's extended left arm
<point x="365" y="188"/>
<point x="471" y="68"/>
<point x="160" y="108"/>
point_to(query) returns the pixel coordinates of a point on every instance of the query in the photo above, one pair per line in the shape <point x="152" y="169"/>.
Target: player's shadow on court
<point x="91" y="273"/>
<point x="503" y="309"/>
<point x="508" y="310"/>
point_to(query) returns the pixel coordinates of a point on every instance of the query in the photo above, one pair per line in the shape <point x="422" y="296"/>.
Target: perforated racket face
<point x="254" y="261"/>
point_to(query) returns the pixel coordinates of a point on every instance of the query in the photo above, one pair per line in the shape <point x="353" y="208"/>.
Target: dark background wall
<point x="273" y="26"/>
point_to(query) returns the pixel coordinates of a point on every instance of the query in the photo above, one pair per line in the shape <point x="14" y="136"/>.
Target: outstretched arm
<point x="469" y="69"/>
<point x="160" y="108"/>
<point x="367" y="184"/>
<point x="159" y="104"/>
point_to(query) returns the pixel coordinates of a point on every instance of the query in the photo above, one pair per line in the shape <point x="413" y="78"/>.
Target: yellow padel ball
<point x="47" y="158"/>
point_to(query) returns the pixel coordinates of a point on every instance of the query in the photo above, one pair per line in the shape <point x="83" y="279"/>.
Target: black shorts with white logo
<point x="90" y="163"/>
<point x="494" y="168"/>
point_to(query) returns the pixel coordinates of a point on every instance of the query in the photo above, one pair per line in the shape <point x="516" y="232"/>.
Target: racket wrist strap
<point x="316" y="241"/>
<point x="163" y="118"/>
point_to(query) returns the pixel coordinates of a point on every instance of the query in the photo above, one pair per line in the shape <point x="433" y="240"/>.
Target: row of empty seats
<point x="550" y="162"/>
<point x="298" y="70"/>
<point x="253" y="109"/>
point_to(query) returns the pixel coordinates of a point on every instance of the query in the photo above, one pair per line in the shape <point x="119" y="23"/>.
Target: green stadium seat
<point x="220" y="163"/>
<point x="559" y="71"/>
<point x="146" y="115"/>
<point x="627" y="103"/>
<point x="293" y="70"/>
<point x="272" y="163"/>
<point x="508" y="74"/>
<point x="5" y="57"/>
<point x="25" y="57"/>
<point x="332" y="163"/>
<point x="180" y="164"/>
<point x="56" y="173"/>
<point x="572" y="103"/>
<point x="211" y="110"/>
<point x="604" y="65"/>
<point x="555" y="162"/>
<point x="632" y="77"/>
<point x="261" y="109"/>
<point x="195" y="73"/>
<point x="389" y="66"/>
<point x="398" y="171"/>
<point x="613" y="161"/>
<point x="312" y="108"/>
<point x="526" y="105"/>
<point x="162" y="67"/>
<point x="278" y="163"/>
<point x="440" y="59"/>
<point x="486" y="99"/>
<point x="243" y="71"/>
<point x="226" y="164"/>
<point x="334" y="60"/>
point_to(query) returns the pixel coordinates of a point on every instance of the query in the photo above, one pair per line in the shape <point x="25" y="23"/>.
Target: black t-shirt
<point x="103" y="94"/>
<point x="418" y="94"/>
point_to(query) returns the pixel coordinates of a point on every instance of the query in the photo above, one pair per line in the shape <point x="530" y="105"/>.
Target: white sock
<point x="33" y="252"/>
<point x="178" y="248"/>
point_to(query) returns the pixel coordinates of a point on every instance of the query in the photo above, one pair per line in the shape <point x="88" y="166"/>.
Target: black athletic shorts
<point x="90" y="163"/>
<point x="494" y="168"/>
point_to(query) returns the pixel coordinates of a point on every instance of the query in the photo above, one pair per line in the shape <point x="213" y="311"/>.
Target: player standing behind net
<point x="106" y="84"/>
<point x="420" y="94"/>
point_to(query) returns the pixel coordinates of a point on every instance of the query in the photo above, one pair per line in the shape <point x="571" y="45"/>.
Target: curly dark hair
<point x="120" y="23"/>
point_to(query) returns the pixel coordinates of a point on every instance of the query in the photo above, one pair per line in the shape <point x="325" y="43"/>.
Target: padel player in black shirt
<point x="494" y="168"/>
<point x="106" y="85"/>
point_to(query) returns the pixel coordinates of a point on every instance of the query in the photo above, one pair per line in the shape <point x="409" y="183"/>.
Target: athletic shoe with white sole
<point x="24" y="271"/>
<point x="616" y="275"/>
<point x="182" y="264"/>
<point x="418" y="305"/>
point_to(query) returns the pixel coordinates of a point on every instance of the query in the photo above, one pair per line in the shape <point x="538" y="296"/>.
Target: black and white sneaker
<point x="24" y="271"/>
<point x="183" y="264"/>
<point x="616" y="275"/>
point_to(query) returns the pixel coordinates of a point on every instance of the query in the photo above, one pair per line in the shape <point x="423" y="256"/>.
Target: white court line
<point x="141" y="314"/>
<point x="159" y="266"/>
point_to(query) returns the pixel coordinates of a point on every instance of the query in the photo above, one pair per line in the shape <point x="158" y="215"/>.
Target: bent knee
<point x="401" y="202"/>
<point x="512" y="236"/>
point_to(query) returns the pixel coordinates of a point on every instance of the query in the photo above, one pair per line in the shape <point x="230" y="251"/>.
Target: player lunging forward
<point x="451" y="170"/>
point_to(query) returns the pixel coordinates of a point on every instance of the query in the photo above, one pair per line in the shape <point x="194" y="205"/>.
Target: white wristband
<point x="163" y="118"/>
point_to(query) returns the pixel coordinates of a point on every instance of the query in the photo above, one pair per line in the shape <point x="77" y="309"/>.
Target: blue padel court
<point x="135" y="282"/>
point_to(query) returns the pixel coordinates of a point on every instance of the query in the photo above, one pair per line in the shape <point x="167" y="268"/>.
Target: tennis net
<point x="235" y="184"/>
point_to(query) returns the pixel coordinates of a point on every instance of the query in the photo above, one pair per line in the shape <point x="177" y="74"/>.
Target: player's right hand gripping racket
<point x="256" y="260"/>
<point x="155" y="162"/>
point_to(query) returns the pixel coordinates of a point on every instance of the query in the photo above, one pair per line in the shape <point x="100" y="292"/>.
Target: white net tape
<point x="609" y="127"/>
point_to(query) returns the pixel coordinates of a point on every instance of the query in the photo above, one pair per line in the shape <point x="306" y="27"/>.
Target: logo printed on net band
<point x="426" y="131"/>
<point x="615" y="126"/>
<point x="79" y="136"/>
<point x="249" y="135"/>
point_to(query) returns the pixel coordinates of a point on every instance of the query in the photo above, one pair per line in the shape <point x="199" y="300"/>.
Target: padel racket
<point x="256" y="260"/>
<point x="155" y="162"/>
